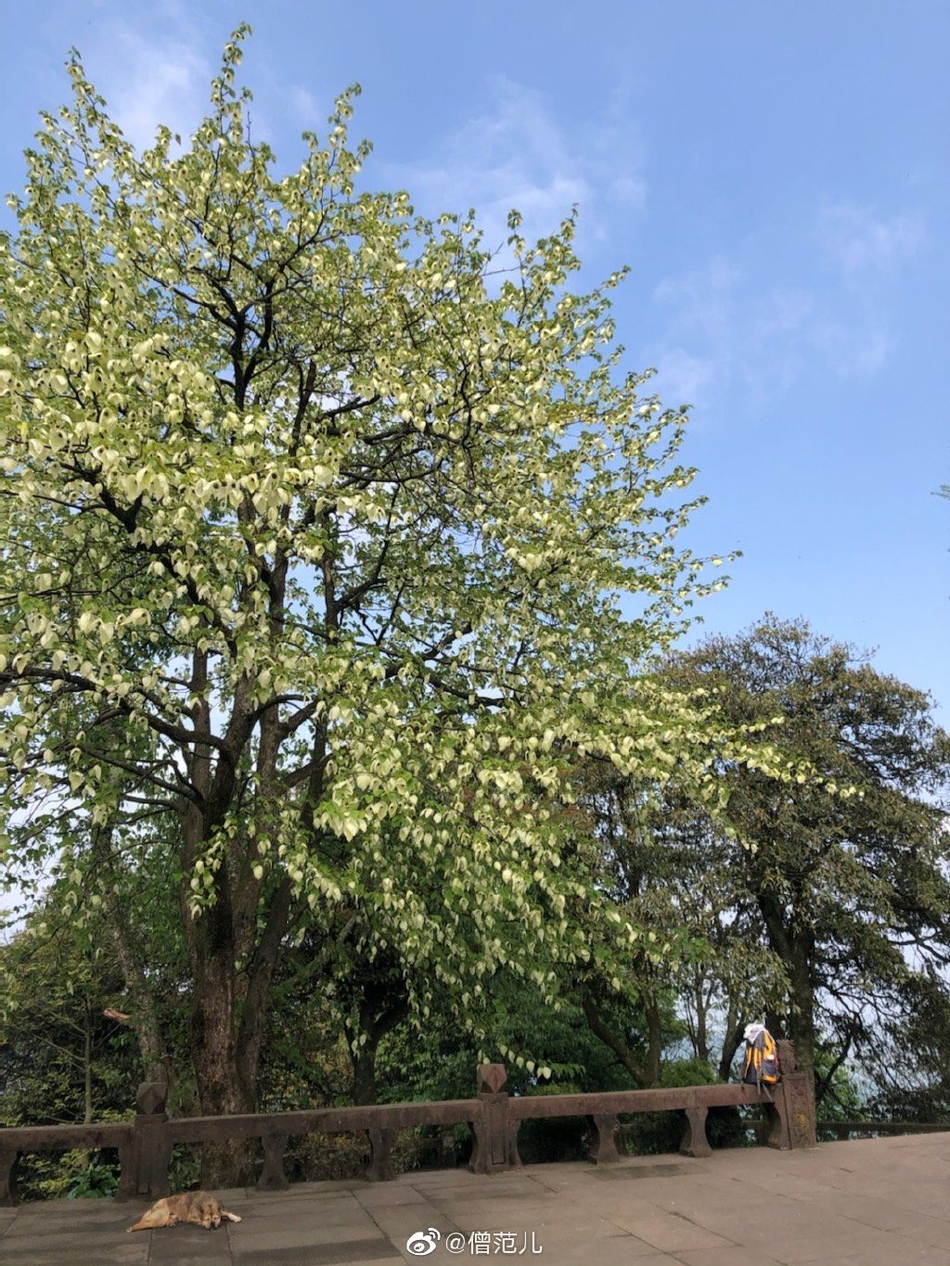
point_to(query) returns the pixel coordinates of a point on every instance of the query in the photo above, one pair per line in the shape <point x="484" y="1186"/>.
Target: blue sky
<point x="776" y="175"/>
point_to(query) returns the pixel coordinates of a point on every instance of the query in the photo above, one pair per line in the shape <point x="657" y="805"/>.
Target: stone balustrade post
<point x="603" y="1144"/>
<point x="792" y="1118"/>
<point x="695" y="1141"/>
<point x="496" y="1137"/>
<point x="145" y="1161"/>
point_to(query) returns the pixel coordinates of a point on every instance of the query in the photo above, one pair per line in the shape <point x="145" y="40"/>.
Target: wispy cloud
<point x="630" y="190"/>
<point x="856" y="350"/>
<point x="726" y="327"/>
<point x="717" y="340"/>
<point x="704" y="300"/>
<point x="684" y="377"/>
<point x="149" y="82"/>
<point x="516" y="155"/>
<point x="304" y="108"/>
<point x="700" y="349"/>
<point x="860" y="240"/>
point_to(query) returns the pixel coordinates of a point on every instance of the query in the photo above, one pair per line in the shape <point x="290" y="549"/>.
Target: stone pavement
<point x="874" y="1202"/>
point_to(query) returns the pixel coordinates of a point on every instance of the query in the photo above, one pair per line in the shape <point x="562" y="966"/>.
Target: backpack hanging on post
<point x="761" y="1057"/>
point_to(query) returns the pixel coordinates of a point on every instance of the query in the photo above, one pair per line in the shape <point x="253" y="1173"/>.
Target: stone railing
<point x="145" y="1144"/>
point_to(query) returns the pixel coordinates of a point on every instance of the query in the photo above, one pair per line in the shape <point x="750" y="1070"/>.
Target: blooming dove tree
<point x="314" y="519"/>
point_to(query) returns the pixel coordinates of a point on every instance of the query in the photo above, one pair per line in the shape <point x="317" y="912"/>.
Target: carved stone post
<point x="603" y="1147"/>
<point x="695" y="1141"/>
<point x="145" y="1162"/>
<point x="791" y="1116"/>
<point x="272" y="1176"/>
<point x="9" y="1193"/>
<point x="496" y="1138"/>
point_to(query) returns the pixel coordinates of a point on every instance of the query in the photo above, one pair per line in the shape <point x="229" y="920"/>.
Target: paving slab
<point x="670" y="1233"/>
<point x="389" y="1193"/>
<point x="914" y="1258"/>
<point x="732" y="1256"/>
<point x="870" y="1202"/>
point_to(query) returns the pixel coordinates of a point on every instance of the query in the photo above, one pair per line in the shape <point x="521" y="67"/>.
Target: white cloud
<point x="855" y="351"/>
<point x="515" y="155"/>
<point x="695" y="356"/>
<point x="726" y="330"/>
<point x="149" y="82"/>
<point x="684" y="378"/>
<point x="629" y="190"/>
<point x="697" y="287"/>
<point x="702" y="302"/>
<point x="304" y="107"/>
<point x="860" y="241"/>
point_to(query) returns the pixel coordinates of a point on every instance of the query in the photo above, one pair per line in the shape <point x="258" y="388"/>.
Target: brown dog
<point x="199" y="1207"/>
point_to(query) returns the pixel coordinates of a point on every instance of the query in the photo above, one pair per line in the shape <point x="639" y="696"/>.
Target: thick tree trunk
<point x="256" y="981"/>
<point x="234" y="942"/>
<point x="800" y="1020"/>
<point x="382" y="1005"/>
<point x="364" y="1074"/>
<point x="211" y="938"/>
<point x="228" y="1022"/>
<point x="221" y="1091"/>
<point x="795" y="946"/>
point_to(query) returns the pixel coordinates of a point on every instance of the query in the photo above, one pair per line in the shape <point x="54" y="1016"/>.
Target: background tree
<point x="63" y="1060"/>
<point x="312" y="526"/>
<point x="700" y="958"/>
<point x="848" y="875"/>
<point x="909" y="1061"/>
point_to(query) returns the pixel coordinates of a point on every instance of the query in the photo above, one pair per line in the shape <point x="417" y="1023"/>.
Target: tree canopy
<point x="314" y="521"/>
